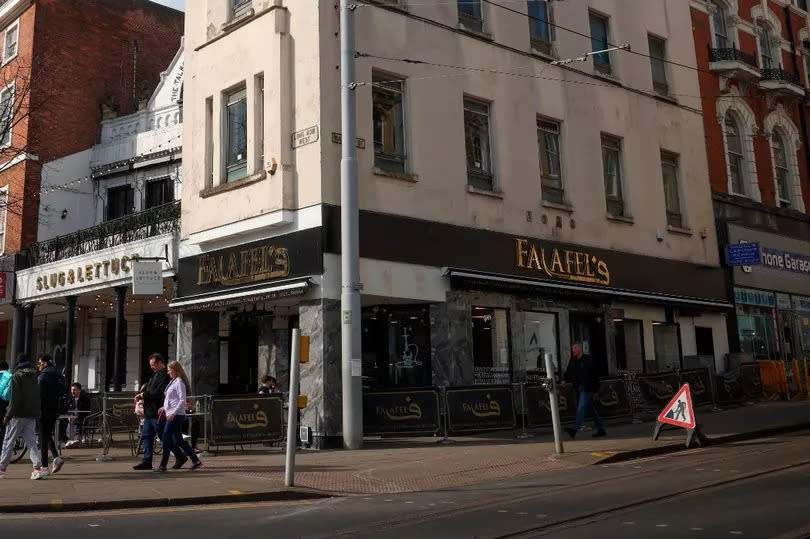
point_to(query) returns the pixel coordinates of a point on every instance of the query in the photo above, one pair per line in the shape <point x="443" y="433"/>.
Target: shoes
<point x="159" y="469"/>
<point x="143" y="466"/>
<point x="179" y="463"/>
<point x="600" y="433"/>
<point x="71" y="443"/>
<point x="196" y="465"/>
<point x="2" y="474"/>
<point x="40" y="473"/>
<point x="572" y="432"/>
<point x="58" y="462"/>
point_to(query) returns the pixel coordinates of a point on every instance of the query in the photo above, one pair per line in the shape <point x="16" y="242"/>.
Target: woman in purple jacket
<point x="174" y="406"/>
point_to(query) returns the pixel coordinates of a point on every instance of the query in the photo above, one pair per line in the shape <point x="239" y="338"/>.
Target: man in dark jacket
<point x="51" y="390"/>
<point x="152" y="397"/>
<point x="21" y="416"/>
<point x="583" y="373"/>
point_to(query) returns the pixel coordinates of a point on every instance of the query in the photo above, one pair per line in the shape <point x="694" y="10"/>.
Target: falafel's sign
<point x="561" y="263"/>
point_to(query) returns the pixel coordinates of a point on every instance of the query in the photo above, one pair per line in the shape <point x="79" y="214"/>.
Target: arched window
<point x="781" y="170"/>
<point x="721" y="38"/>
<point x="765" y="52"/>
<point x="734" y="149"/>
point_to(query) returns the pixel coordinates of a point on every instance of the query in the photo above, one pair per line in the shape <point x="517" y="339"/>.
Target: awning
<point x="517" y="282"/>
<point x="252" y="294"/>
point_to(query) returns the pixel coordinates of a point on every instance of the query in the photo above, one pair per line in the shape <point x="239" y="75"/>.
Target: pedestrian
<point x="51" y="389"/>
<point x="174" y="406"/>
<point x="21" y="416"/>
<point x="152" y="398"/>
<point x="583" y="373"/>
<point x="4" y="373"/>
<point x="269" y="385"/>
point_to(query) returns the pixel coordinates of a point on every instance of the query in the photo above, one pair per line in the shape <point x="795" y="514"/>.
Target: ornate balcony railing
<point x="781" y="75"/>
<point x="137" y="226"/>
<point x="732" y="54"/>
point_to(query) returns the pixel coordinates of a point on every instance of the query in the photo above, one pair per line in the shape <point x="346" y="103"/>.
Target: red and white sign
<point x="679" y="411"/>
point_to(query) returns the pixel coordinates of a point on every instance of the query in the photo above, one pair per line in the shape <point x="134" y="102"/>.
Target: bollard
<point x="292" y="412"/>
<point x="523" y="435"/>
<point x="445" y="439"/>
<point x="555" y="406"/>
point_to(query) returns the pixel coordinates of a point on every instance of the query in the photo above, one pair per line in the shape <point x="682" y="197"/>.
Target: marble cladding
<point x="198" y="350"/>
<point x="274" y="354"/>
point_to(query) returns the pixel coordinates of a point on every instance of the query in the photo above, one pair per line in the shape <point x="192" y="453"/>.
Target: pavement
<point x="384" y="466"/>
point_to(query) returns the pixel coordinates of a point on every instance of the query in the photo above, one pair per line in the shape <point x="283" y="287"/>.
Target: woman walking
<point x="174" y="406"/>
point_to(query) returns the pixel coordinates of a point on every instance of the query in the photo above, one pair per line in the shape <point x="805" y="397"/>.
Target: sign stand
<point x="679" y="413"/>
<point x="445" y="439"/>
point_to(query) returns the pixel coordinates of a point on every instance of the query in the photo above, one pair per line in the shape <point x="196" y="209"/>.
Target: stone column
<point x="134" y="353"/>
<point x="119" y="365"/>
<point x="17" y="333"/>
<point x="321" y="376"/>
<point x="198" y="350"/>
<point x="29" y="330"/>
<point x="70" y="337"/>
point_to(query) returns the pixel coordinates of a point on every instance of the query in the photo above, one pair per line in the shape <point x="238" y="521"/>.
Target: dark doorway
<point x="154" y="339"/>
<point x="109" y="370"/>
<point x="704" y="341"/>
<point x="589" y="330"/>
<point x="243" y="355"/>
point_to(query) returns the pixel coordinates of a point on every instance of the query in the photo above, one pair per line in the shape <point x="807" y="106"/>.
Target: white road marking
<point x="629" y="523"/>
<point x="408" y="502"/>
<point x="735" y="532"/>
<point x="715" y="470"/>
<point x="502" y="511"/>
<point x="523" y="513"/>
<point x="696" y="529"/>
<point x="661" y="525"/>
<point x="541" y="515"/>
<point x="388" y="500"/>
<point x="94" y="525"/>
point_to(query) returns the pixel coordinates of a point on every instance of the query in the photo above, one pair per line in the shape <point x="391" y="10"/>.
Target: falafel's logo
<point x="568" y="264"/>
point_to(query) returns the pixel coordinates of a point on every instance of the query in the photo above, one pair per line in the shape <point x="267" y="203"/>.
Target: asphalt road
<point x="752" y="489"/>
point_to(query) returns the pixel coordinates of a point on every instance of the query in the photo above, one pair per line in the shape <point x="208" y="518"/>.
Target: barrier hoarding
<point x="246" y="420"/>
<point x="401" y="411"/>
<point x="700" y="386"/>
<point x="538" y="407"/>
<point x="658" y="389"/>
<point x="729" y="388"/>
<point x="479" y="408"/>
<point x="612" y="399"/>
<point x="751" y="379"/>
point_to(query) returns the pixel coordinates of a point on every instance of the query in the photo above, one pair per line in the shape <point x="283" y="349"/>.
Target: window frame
<point x="126" y="187"/>
<point x="469" y="21"/>
<point x="672" y="160"/>
<point x="662" y="87"/>
<point x="549" y="192"/>
<point x="15" y="26"/>
<point x="765" y="44"/>
<point x="739" y="157"/>
<point x="240" y="9"/>
<point x="616" y="205"/>
<point x="12" y="88"/>
<point x="539" y="43"/>
<point x="4" y="202"/>
<point x="783" y="199"/>
<point x="476" y="176"/>
<point x="600" y="66"/>
<point x="728" y="42"/>
<point x="382" y="82"/>
<point x="229" y="168"/>
<point x="167" y="180"/>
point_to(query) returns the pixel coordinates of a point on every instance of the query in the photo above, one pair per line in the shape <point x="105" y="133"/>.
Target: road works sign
<point x="679" y="411"/>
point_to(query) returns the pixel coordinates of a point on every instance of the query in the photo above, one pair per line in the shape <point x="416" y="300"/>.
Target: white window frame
<point x="541" y="122"/>
<point x="730" y="29"/>
<point x="740" y="126"/>
<point x="775" y="56"/>
<point x="225" y="133"/>
<point x="377" y="77"/>
<point x="605" y="140"/>
<point x="15" y="26"/>
<point x="4" y="218"/>
<point x="13" y="89"/>
<point x="782" y="199"/>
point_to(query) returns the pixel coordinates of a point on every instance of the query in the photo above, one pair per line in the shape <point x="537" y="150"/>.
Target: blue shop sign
<point x="748" y="296"/>
<point x="743" y="254"/>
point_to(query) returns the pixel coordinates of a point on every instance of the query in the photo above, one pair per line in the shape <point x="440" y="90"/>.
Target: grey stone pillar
<point x="320" y="377"/>
<point x="70" y="337"/>
<point x="17" y="333"/>
<point x="119" y="361"/>
<point x="29" y="331"/>
<point x="198" y="350"/>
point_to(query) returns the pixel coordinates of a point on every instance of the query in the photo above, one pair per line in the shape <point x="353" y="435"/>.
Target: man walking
<point x="51" y="389"/>
<point x="152" y="398"/>
<point x="21" y="416"/>
<point x="583" y="373"/>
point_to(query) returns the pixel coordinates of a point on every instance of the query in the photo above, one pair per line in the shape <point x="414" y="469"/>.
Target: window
<point x="629" y="340"/>
<point x="721" y="40"/>
<point x="120" y="201"/>
<point x="260" y="122"/>
<point x="658" y="64"/>
<point x="159" y="192"/>
<point x="548" y="140"/>
<point x="765" y="49"/>
<point x="542" y="340"/>
<point x="540" y="25"/>
<point x="6" y="115"/>
<point x="490" y="343"/>
<point x="396" y="346"/>
<point x="734" y="155"/>
<point x="11" y="42"/>
<point x="599" y="42"/>
<point x="611" y="162"/>
<point x="236" y="135"/>
<point x="389" y="131"/>
<point x="3" y="217"/>
<point x="669" y="170"/>
<point x="240" y="8"/>
<point x="476" y="135"/>
<point x="667" y="347"/>
<point x="780" y="165"/>
<point x="471" y="14"/>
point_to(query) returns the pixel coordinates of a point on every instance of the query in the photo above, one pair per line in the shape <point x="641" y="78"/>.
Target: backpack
<point x="5" y="385"/>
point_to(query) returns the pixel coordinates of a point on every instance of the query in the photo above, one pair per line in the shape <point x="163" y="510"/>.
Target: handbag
<point x="5" y="385"/>
<point x="161" y="416"/>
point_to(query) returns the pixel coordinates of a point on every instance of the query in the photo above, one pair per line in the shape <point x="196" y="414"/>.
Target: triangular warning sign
<point x="679" y="410"/>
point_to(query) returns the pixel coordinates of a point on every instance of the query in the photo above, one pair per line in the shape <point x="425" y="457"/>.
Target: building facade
<point x="509" y="206"/>
<point x="754" y="58"/>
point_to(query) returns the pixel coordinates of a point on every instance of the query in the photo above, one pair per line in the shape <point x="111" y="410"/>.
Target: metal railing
<point x="779" y="74"/>
<point x="137" y="226"/>
<point x="732" y="54"/>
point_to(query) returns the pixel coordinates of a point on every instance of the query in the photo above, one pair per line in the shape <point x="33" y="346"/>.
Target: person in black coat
<point x="583" y="374"/>
<point x="51" y="389"/>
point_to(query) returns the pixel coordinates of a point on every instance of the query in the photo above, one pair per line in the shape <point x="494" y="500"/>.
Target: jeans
<point x="151" y="428"/>
<point x="173" y="439"/>
<point x="27" y="428"/>
<point x="47" y="423"/>
<point x="585" y="403"/>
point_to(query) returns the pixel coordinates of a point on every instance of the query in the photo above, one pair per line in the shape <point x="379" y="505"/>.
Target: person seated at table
<point x="269" y="385"/>
<point x="79" y="409"/>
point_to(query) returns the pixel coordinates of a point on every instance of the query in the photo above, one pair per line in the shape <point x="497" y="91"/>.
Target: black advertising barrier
<point x="246" y="419"/>
<point x="612" y="399"/>
<point x="658" y="389"/>
<point x="403" y="411"/>
<point x="121" y="408"/>
<point x="729" y="388"/>
<point x="479" y="408"/>
<point x="700" y="386"/>
<point x="751" y="380"/>
<point x="538" y="407"/>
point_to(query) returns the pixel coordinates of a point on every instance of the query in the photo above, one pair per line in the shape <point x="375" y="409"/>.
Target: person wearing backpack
<point x="51" y="391"/>
<point x="5" y="381"/>
<point x="21" y="416"/>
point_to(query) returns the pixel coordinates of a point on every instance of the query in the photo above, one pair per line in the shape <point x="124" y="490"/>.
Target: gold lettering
<point x="521" y="252"/>
<point x="580" y="262"/>
<point x="556" y="263"/>
<point x="88" y="272"/>
<point x="52" y="280"/>
<point x="602" y="270"/>
<point x="534" y="260"/>
<point x="61" y="278"/>
<point x="97" y="265"/>
<point x="106" y="265"/>
<point x="125" y="263"/>
<point x="568" y="262"/>
<point x="71" y="276"/>
<point x="79" y="275"/>
<point x="588" y="268"/>
<point x="39" y="284"/>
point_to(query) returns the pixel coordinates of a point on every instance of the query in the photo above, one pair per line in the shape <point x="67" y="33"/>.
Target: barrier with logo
<point x="700" y="386"/>
<point x="538" y="407"/>
<point x="729" y="388"/>
<point x="751" y="380"/>
<point x="401" y="411"/>
<point x="479" y="408"/>
<point x="246" y="419"/>
<point x="657" y="389"/>
<point x="612" y="399"/>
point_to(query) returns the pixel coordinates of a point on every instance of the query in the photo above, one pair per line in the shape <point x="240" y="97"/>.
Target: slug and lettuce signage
<point x="246" y="420"/>
<point x="401" y="412"/>
<point x="478" y="409"/>
<point x="561" y="263"/>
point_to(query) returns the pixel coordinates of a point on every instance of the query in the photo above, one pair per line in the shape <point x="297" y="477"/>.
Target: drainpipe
<point x="802" y="113"/>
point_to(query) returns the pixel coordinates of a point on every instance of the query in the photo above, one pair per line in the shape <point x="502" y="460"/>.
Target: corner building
<point x="509" y="206"/>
